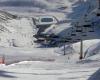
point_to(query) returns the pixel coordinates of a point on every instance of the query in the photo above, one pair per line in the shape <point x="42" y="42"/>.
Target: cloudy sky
<point x="37" y="5"/>
<point x="23" y="3"/>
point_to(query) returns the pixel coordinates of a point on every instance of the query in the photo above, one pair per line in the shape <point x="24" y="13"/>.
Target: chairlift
<point x="67" y="41"/>
<point x="87" y="20"/>
<point x="98" y="11"/>
<point x="68" y="38"/>
<point x="74" y="41"/>
<point x="73" y="34"/>
<point x="84" y="35"/>
<point x="78" y="26"/>
<point x="54" y="36"/>
<point x="98" y="14"/>
<point x="91" y="31"/>
<point x="88" y="25"/>
<point x="39" y="36"/>
<point x="35" y="36"/>
<point x="63" y="41"/>
<point x="38" y="41"/>
<point x="78" y="30"/>
<point x="78" y="39"/>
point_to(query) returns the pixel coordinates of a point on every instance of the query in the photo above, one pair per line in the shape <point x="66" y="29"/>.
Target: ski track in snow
<point x="47" y="71"/>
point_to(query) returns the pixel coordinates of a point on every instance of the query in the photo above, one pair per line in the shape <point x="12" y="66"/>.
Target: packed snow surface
<point x="48" y="71"/>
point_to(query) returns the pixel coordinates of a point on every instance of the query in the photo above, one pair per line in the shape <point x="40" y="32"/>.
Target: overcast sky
<point x="22" y="3"/>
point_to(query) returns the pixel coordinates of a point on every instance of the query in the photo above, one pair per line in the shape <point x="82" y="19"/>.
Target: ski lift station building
<point x="44" y="21"/>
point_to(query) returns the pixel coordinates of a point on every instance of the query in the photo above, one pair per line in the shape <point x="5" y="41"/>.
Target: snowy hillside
<point x="76" y="33"/>
<point x="16" y="32"/>
<point x="24" y="27"/>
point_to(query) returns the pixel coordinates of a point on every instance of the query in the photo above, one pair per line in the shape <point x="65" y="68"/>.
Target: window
<point x="46" y="20"/>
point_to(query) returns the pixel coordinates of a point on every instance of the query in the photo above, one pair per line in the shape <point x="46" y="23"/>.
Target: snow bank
<point x="71" y="53"/>
<point x="93" y="50"/>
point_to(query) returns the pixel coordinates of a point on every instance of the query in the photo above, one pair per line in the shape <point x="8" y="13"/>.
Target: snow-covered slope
<point x="16" y="32"/>
<point x="19" y="32"/>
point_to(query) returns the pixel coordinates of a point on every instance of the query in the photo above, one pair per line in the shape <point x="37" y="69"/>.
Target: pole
<point x="99" y="4"/>
<point x="81" y="49"/>
<point x="64" y="50"/>
<point x="3" y="59"/>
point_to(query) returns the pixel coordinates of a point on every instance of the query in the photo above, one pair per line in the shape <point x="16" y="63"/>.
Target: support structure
<point x="99" y="3"/>
<point x="81" y="49"/>
<point x="64" y="49"/>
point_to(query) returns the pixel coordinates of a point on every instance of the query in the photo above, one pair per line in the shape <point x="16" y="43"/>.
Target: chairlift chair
<point x="74" y="41"/>
<point x="68" y="38"/>
<point x="78" y="26"/>
<point x="88" y="25"/>
<point x="78" y="30"/>
<point x="67" y="41"/>
<point x="78" y="39"/>
<point x="84" y="35"/>
<point x="38" y="41"/>
<point x="63" y="41"/>
<point x="98" y="14"/>
<point x="54" y="36"/>
<point x="98" y="10"/>
<point x="73" y="34"/>
<point x="91" y="31"/>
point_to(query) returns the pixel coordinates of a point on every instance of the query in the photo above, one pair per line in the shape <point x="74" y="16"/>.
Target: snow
<point x="17" y="54"/>
<point x="19" y="33"/>
<point x="26" y="60"/>
<point x="57" y="29"/>
<point x="46" y="71"/>
<point x="93" y="50"/>
<point x="13" y="55"/>
<point x="59" y="69"/>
